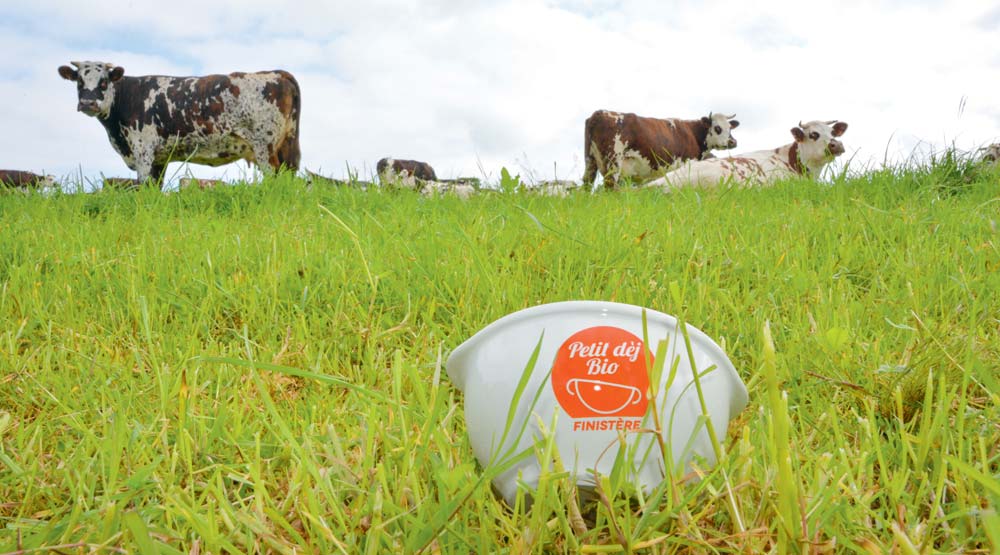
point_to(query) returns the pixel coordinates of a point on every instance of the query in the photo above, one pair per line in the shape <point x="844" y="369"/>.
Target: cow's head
<point x="95" y="85"/>
<point x="720" y="128"/>
<point x="817" y="142"/>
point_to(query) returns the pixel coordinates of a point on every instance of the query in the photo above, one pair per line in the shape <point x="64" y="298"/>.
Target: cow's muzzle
<point x="731" y="143"/>
<point x="836" y="147"/>
<point x="89" y="108"/>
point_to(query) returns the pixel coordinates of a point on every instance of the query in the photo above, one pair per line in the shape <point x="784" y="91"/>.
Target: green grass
<point x="260" y="369"/>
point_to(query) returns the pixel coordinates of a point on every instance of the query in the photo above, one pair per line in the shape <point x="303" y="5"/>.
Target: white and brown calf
<point x="213" y="120"/>
<point x="814" y="147"/>
<point x="626" y="145"/>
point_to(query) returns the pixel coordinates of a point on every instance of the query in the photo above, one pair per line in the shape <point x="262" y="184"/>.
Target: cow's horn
<point x="831" y="122"/>
<point x="800" y="124"/>
<point x="76" y="64"/>
<point x="731" y="116"/>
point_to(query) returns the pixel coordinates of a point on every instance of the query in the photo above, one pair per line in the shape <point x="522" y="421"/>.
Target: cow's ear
<point x="67" y="73"/>
<point x="706" y="121"/>
<point x="799" y="134"/>
<point x="117" y="73"/>
<point x="839" y="128"/>
<point x="733" y="124"/>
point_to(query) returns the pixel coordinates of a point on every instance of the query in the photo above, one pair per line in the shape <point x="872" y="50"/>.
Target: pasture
<point x="260" y="368"/>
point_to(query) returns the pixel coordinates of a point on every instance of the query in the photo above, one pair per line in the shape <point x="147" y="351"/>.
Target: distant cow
<point x="814" y="147"/>
<point x="992" y="153"/>
<point x="213" y="120"/>
<point x="198" y="183"/>
<point x="554" y="188"/>
<point x="24" y="181"/>
<point x="454" y="187"/>
<point x="626" y="145"/>
<point x="390" y="170"/>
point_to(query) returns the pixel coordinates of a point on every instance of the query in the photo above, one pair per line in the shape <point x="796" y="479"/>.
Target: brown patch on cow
<point x="283" y="92"/>
<point x="745" y="167"/>
<point x="793" y="160"/>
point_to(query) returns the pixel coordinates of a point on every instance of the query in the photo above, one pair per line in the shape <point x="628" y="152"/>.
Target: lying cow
<point x="25" y="181"/>
<point x="554" y="188"/>
<point x="213" y="120"/>
<point x="626" y="145"/>
<point x="198" y="183"/>
<point x="814" y="147"/>
<point x="404" y="171"/>
<point x="458" y="188"/>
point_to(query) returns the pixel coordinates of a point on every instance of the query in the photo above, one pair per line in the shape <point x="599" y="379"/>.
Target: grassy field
<point x="260" y="369"/>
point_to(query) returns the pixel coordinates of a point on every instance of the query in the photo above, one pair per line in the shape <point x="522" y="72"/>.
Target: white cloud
<point x="469" y="84"/>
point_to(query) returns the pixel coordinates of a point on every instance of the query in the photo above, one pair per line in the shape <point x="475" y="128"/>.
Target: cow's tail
<point x="288" y="151"/>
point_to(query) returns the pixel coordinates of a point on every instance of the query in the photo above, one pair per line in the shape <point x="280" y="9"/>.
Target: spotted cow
<point x="213" y="120"/>
<point x="814" y="147"/>
<point x="626" y="145"/>
<point x="405" y="172"/>
<point x="25" y="181"/>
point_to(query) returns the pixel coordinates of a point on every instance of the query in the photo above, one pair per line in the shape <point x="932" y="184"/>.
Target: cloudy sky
<point x="476" y="85"/>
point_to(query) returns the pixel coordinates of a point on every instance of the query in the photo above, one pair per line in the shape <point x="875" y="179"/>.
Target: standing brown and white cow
<point x="814" y="147"/>
<point x="626" y="145"/>
<point x="213" y="120"/>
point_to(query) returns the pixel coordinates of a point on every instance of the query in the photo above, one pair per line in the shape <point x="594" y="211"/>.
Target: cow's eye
<point x="814" y="135"/>
<point x="718" y="130"/>
<point x="104" y="85"/>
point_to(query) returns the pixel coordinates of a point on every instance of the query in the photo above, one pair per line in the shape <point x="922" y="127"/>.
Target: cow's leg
<point x="265" y="159"/>
<point x="156" y="173"/>
<point x="288" y="154"/>
<point x="610" y="180"/>
<point x="143" y="168"/>
<point x="590" y="164"/>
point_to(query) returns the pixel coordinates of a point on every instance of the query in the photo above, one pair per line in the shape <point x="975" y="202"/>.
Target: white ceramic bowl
<point x="598" y="386"/>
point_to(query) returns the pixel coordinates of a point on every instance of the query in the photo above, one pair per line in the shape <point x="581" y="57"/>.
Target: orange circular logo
<point x="601" y="372"/>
